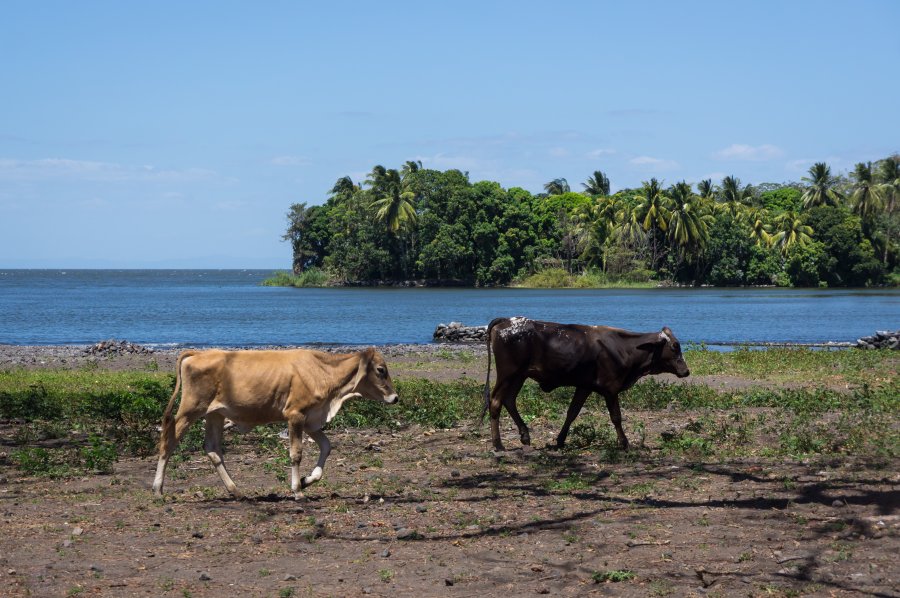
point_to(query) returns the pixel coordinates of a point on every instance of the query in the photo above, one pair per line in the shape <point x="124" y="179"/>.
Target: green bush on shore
<point x="313" y="277"/>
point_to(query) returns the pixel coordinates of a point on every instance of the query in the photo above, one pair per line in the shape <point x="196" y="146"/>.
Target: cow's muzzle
<point x="391" y="399"/>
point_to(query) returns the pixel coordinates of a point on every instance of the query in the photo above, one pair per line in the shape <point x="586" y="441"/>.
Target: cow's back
<point x="251" y="387"/>
<point x="552" y="354"/>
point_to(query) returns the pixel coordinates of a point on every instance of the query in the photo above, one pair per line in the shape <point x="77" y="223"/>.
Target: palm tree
<point x="343" y="189"/>
<point x="867" y="197"/>
<point x="653" y="214"/>
<point x="597" y="184"/>
<point x="760" y="229"/>
<point x="821" y="189"/>
<point x="410" y="166"/>
<point x="376" y="179"/>
<point x="688" y="222"/>
<point x="705" y="189"/>
<point x="889" y="186"/>
<point x="394" y="205"/>
<point x="734" y="198"/>
<point x="790" y="231"/>
<point x="557" y="187"/>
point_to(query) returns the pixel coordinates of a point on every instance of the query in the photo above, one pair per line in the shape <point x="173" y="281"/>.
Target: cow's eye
<point x="381" y="370"/>
<point x="677" y="347"/>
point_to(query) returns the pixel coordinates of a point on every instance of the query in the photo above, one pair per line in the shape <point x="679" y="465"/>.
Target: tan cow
<point x="304" y="388"/>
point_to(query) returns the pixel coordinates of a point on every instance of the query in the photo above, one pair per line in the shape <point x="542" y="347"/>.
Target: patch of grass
<point x="385" y="575"/>
<point x="314" y="277"/>
<point x="795" y="364"/>
<point x="559" y="278"/>
<point x="615" y="575"/>
<point x="573" y="481"/>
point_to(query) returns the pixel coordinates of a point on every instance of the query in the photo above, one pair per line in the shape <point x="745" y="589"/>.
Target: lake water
<point x="229" y="308"/>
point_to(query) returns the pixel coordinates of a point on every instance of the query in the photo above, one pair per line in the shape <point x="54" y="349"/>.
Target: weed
<point x="385" y="575"/>
<point x="574" y="481"/>
<point x="286" y="592"/>
<point x="661" y="587"/>
<point x="615" y="575"/>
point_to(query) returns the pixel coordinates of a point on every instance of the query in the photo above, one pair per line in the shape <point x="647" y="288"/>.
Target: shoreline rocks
<point x="456" y="332"/>
<point x="882" y="339"/>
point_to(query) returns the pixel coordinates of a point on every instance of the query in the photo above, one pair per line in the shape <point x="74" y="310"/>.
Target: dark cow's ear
<point x="655" y="343"/>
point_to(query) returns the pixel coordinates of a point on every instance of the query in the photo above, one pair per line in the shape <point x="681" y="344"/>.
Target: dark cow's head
<point x="667" y="355"/>
<point x="373" y="380"/>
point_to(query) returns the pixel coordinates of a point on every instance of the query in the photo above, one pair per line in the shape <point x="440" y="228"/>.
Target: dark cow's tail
<point x="487" y="380"/>
<point x="167" y="434"/>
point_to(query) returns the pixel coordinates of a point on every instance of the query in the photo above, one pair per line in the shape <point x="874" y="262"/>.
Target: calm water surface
<point x="229" y="308"/>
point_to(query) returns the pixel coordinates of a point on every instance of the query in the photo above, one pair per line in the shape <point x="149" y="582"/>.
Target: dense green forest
<point x="415" y="223"/>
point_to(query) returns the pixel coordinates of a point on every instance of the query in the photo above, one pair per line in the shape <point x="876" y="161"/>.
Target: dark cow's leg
<point x="578" y="399"/>
<point x="215" y="424"/>
<point x="505" y="388"/>
<point x="615" y="414"/>
<point x="509" y="401"/>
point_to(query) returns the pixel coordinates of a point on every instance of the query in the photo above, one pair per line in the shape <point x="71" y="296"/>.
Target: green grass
<point x="798" y="365"/>
<point x="558" y="278"/>
<point x="616" y="575"/>
<point x="94" y="416"/>
<point x="314" y="277"/>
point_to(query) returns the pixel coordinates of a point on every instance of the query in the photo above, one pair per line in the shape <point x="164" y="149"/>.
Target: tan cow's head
<point x="373" y="380"/>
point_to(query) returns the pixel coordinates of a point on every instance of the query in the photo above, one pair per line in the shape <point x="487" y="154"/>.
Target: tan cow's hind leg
<point x="182" y="422"/>
<point x="215" y="425"/>
<point x="295" y="440"/>
<point x="324" y="451"/>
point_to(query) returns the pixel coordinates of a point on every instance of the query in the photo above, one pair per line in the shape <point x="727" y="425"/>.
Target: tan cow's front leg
<point x="215" y="424"/>
<point x="324" y="451"/>
<point x="295" y="442"/>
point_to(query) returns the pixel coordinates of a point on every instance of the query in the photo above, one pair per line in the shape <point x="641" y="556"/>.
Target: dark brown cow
<point x="304" y="388"/>
<point x="591" y="358"/>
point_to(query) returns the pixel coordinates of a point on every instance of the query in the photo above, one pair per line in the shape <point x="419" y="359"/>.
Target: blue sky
<point x="177" y="134"/>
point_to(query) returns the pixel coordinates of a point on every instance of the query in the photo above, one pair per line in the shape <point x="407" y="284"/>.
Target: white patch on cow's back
<point x="517" y="325"/>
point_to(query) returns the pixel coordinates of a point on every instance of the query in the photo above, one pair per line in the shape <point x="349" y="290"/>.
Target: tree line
<point x="417" y="223"/>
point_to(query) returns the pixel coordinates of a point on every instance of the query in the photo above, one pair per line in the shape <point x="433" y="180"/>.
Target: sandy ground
<point x="430" y="512"/>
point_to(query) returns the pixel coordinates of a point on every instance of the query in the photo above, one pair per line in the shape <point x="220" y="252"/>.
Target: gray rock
<point x="205" y="576"/>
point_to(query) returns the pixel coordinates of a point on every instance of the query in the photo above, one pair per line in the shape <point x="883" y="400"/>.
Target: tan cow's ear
<point x="365" y="358"/>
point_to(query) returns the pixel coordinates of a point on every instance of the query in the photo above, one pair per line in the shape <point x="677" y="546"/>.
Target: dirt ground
<point x="424" y="512"/>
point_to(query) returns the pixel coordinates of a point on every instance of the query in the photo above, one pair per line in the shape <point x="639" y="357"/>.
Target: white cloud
<point x="803" y="165"/>
<point x="799" y="165"/>
<point x="600" y="153"/>
<point x="64" y="168"/>
<point x="750" y="153"/>
<point x="291" y="161"/>
<point x="558" y="152"/>
<point x="654" y="164"/>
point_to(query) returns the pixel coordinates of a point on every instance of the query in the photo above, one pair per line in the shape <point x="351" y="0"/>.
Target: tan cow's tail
<point x="487" y="380"/>
<point x="167" y="435"/>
